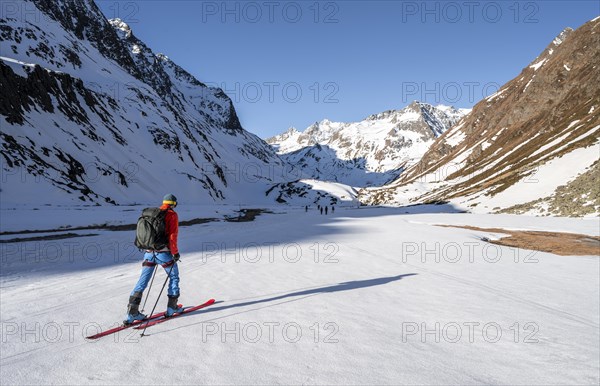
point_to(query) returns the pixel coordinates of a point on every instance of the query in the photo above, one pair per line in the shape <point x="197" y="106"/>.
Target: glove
<point x="176" y="257"/>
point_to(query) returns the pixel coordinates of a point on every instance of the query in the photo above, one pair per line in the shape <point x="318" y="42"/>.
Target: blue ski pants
<point x="149" y="264"/>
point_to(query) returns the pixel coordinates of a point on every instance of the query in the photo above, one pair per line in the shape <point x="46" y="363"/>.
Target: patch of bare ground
<point x="558" y="243"/>
<point x="246" y="215"/>
<point x="46" y="238"/>
<point x="115" y="228"/>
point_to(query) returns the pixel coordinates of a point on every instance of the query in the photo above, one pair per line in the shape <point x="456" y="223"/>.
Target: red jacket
<point x="171" y="227"/>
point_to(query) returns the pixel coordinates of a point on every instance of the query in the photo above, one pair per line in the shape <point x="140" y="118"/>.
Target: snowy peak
<point x="121" y="27"/>
<point x="437" y="118"/>
<point x="440" y="118"/>
<point x="409" y="113"/>
<point x="173" y="82"/>
<point x="369" y="152"/>
<point x="84" y="21"/>
<point x="291" y="133"/>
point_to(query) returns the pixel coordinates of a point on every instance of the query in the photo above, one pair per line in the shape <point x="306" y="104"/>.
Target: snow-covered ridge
<point x="106" y="120"/>
<point x="122" y="27"/>
<point x="369" y="152"/>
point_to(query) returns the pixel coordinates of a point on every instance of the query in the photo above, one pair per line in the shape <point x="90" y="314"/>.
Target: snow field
<point x="363" y="296"/>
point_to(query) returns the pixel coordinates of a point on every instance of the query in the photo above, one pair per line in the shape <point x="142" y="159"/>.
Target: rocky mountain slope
<point x="90" y="114"/>
<point x="533" y="147"/>
<point x="366" y="153"/>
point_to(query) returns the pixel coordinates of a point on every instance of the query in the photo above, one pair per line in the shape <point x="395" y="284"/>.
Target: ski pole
<point x="157" y="299"/>
<point x="149" y="289"/>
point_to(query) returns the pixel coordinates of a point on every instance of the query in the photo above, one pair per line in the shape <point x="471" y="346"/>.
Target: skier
<point x="306" y="208"/>
<point x="332" y="209"/>
<point x="167" y="257"/>
<point x="326" y="209"/>
<point x="321" y="209"/>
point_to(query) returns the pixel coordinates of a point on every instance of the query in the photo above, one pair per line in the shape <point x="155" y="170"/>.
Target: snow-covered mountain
<point x="533" y="147"/>
<point x="89" y="113"/>
<point x="370" y="152"/>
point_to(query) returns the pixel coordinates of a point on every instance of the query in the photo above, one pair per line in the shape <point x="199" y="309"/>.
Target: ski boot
<point x="133" y="312"/>
<point x="173" y="307"/>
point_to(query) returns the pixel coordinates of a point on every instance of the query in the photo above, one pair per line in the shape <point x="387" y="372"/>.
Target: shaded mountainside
<point x="539" y="132"/>
<point x="369" y="152"/>
<point x="90" y="113"/>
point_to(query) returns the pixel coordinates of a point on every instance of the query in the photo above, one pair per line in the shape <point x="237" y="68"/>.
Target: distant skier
<point x="306" y="208"/>
<point x="332" y="209"/>
<point x="321" y="209"/>
<point x="157" y="234"/>
<point x="326" y="209"/>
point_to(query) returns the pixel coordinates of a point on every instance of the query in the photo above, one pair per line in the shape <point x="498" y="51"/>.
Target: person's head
<point x="170" y="200"/>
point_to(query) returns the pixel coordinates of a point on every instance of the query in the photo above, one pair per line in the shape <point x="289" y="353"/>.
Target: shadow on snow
<point x="299" y="295"/>
<point x="116" y="249"/>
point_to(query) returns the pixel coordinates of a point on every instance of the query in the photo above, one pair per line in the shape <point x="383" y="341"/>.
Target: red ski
<point x="154" y="321"/>
<point x="125" y="326"/>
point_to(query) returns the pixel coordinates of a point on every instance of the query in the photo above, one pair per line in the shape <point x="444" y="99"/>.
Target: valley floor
<point x="363" y="296"/>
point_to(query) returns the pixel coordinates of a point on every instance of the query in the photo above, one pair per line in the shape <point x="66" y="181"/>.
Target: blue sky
<point x="291" y="63"/>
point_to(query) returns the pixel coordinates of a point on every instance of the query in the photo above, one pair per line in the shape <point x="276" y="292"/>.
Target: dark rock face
<point x="290" y="191"/>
